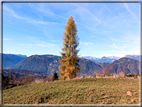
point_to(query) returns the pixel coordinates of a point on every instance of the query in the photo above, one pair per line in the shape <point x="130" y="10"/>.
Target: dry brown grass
<point x="76" y="91"/>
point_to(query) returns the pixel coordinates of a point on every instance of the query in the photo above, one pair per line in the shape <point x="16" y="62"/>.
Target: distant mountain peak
<point x="133" y="56"/>
<point x="109" y="59"/>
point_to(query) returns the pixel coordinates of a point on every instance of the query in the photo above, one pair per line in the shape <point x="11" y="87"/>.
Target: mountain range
<point x="12" y="59"/>
<point x="109" y="59"/>
<point x="49" y="64"/>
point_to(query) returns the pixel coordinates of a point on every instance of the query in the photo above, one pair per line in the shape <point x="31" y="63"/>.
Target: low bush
<point x="130" y="75"/>
<point x="26" y="80"/>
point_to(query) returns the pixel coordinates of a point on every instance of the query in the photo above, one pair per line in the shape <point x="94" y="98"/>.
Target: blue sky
<point x="104" y="29"/>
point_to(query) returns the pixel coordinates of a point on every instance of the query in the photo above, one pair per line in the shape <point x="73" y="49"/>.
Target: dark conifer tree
<point x="55" y="76"/>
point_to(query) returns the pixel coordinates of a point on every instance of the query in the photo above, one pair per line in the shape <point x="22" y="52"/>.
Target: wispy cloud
<point x="48" y="12"/>
<point x="111" y="13"/>
<point x="10" y="10"/>
<point x="85" y="26"/>
<point x="28" y="44"/>
<point x="133" y="38"/>
<point x="118" y="40"/>
<point x="115" y="46"/>
<point x="55" y="41"/>
<point x="89" y="13"/>
<point x="127" y="7"/>
<point x="43" y="44"/>
<point x="38" y="38"/>
<point x="6" y="39"/>
<point x="92" y="15"/>
<point x="124" y="47"/>
<point x="46" y="34"/>
<point x="30" y="5"/>
<point x="86" y="43"/>
<point x="33" y="37"/>
<point x="119" y="47"/>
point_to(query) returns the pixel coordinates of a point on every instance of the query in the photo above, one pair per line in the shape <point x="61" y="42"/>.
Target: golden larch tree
<point x="69" y="58"/>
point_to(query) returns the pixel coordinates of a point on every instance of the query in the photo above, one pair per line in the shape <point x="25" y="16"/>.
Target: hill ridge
<point x="125" y="64"/>
<point x="50" y="63"/>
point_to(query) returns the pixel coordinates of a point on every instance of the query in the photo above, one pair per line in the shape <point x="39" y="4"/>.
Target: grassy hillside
<point x="77" y="91"/>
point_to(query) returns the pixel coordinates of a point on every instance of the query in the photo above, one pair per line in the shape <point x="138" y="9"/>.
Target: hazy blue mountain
<point x="12" y="59"/>
<point x="90" y="57"/>
<point x="133" y="56"/>
<point x="106" y="59"/>
<point x="101" y="60"/>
